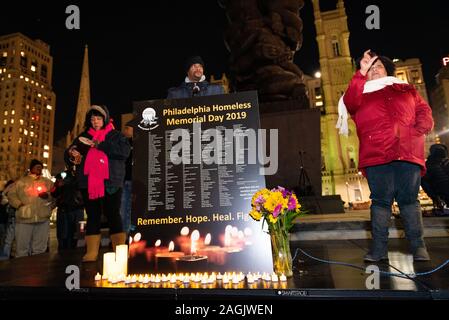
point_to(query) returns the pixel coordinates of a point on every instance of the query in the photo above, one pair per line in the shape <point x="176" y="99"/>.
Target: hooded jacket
<point x="391" y="123"/>
<point x="115" y="146"/>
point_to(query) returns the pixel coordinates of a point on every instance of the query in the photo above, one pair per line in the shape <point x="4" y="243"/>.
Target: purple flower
<point x="291" y="203"/>
<point x="260" y="200"/>
<point x="277" y="210"/>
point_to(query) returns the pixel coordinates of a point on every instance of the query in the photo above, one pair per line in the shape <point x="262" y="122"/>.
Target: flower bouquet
<point x="278" y="208"/>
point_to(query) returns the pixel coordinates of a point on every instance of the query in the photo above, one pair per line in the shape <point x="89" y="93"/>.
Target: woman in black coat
<point x="99" y="155"/>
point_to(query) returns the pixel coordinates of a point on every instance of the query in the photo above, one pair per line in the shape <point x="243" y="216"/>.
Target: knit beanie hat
<point x="193" y="60"/>
<point x="35" y="162"/>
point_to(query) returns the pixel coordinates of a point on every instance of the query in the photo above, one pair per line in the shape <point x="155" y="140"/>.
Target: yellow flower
<point x="256" y="215"/>
<point x="273" y="200"/>
<point x="272" y="219"/>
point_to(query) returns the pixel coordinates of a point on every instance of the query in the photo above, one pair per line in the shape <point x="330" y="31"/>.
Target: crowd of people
<point x="97" y="183"/>
<point x="391" y="117"/>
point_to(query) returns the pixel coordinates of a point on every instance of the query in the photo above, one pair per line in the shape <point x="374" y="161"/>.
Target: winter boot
<point x="117" y="239"/>
<point x="93" y="245"/>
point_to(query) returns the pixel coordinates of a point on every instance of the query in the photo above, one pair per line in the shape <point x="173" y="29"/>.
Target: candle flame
<point x="157" y="243"/>
<point x="194" y="238"/>
<point x="208" y="239"/>
<point x="185" y="231"/>
<point x="227" y="236"/>
<point x="137" y="237"/>
<point x="171" y="246"/>
<point x="195" y="235"/>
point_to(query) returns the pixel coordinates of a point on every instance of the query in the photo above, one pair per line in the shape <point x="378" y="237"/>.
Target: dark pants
<point x="66" y="227"/>
<point x="396" y="180"/>
<point x="109" y="205"/>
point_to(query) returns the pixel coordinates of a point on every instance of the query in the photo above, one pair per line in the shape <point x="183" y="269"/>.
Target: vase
<point x="280" y="248"/>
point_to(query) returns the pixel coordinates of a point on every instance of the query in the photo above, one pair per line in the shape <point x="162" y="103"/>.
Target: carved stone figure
<point x="262" y="38"/>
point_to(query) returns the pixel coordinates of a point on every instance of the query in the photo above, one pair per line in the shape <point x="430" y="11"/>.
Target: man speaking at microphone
<point x="195" y="83"/>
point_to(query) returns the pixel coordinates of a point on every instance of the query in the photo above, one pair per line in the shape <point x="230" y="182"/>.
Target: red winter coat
<point x="391" y="123"/>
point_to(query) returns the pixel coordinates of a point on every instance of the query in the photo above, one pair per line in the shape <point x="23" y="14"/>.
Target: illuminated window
<point x="13" y="112"/>
<point x="12" y="121"/>
<point x="319" y="103"/>
<point x="46" y="147"/>
<point x="21" y="77"/>
<point x="22" y="53"/>
<point x="5" y="122"/>
<point x="5" y="113"/>
<point x="26" y="79"/>
<point x="33" y="68"/>
<point x="45" y="154"/>
<point x="39" y="95"/>
<point x="21" y="121"/>
<point x="25" y="132"/>
<point x="49" y="107"/>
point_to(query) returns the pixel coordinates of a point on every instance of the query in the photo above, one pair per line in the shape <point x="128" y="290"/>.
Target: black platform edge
<point x="53" y="293"/>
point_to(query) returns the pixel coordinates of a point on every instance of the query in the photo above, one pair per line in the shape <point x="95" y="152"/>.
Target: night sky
<point x="137" y="49"/>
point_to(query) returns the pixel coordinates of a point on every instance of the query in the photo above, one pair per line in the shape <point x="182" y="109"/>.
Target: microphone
<point x="196" y="89"/>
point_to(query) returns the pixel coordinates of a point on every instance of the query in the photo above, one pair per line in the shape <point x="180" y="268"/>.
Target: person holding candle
<point x="31" y="197"/>
<point x="99" y="155"/>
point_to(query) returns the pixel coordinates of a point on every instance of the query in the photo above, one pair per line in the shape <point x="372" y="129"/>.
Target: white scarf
<point x="203" y="77"/>
<point x="370" y="86"/>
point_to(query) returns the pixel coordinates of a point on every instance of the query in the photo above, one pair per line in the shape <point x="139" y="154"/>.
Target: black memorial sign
<point x="195" y="171"/>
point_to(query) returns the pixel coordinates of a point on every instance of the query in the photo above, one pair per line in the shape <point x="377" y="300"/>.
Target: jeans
<point x="125" y="208"/>
<point x="398" y="180"/>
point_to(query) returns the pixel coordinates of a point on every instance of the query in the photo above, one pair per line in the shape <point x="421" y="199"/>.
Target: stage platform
<point x="43" y="277"/>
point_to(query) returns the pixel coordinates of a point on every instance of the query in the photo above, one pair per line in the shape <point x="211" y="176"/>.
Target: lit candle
<point x="109" y="264"/>
<point x="121" y="258"/>
<point x="283" y="278"/>
<point x="166" y="261"/>
<point x="98" y="277"/>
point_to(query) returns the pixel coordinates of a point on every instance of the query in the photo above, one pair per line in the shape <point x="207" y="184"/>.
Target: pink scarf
<point x="96" y="166"/>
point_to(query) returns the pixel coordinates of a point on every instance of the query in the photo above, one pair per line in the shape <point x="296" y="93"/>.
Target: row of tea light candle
<point x="203" y="278"/>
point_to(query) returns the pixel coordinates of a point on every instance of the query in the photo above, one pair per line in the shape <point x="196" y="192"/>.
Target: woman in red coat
<point x="391" y="119"/>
